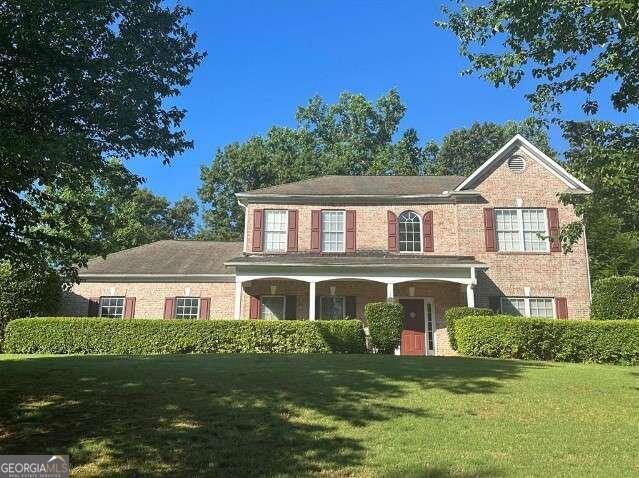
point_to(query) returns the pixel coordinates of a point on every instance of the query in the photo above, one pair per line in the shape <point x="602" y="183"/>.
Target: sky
<point x="267" y="58"/>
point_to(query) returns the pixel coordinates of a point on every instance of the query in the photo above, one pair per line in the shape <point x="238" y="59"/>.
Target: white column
<point x="311" y="300"/>
<point x="470" y="295"/>
<point x="390" y="292"/>
<point x="238" y="298"/>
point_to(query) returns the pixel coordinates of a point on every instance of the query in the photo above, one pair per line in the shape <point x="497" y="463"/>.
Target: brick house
<point x="325" y="247"/>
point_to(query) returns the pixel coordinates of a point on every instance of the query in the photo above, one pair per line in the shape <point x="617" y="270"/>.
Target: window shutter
<point x="256" y="305"/>
<point x="494" y="303"/>
<point x="315" y="230"/>
<point x="427" y="232"/>
<point x="392" y="232"/>
<point x="94" y="307"/>
<point x="169" y="308"/>
<point x="351" y="231"/>
<point x="291" y="307"/>
<point x="350" y="306"/>
<point x="489" y="229"/>
<point x="258" y="228"/>
<point x="129" y="307"/>
<point x="561" y="304"/>
<point x="292" y="230"/>
<point x="205" y="308"/>
<point x="553" y="229"/>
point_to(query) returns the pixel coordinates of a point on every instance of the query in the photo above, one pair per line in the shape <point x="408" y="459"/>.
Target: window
<point x="333" y="231"/>
<point x="332" y="307"/>
<point x="410" y="232"/>
<point x="187" y="307"/>
<point x="273" y="307"/>
<point x="112" y="307"/>
<point x="275" y="230"/>
<point x="528" y="306"/>
<point x="522" y="230"/>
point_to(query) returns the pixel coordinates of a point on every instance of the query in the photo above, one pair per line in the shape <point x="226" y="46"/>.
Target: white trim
<point x="311" y="300"/>
<point x="287" y="213"/>
<point x="421" y="236"/>
<point x="425" y="300"/>
<point x="238" y="299"/>
<point x="175" y="307"/>
<point x="245" y="224"/>
<point x="526" y="300"/>
<point x="477" y="265"/>
<point x="112" y="297"/>
<point x="542" y="158"/>
<point x="520" y="221"/>
<point x="343" y="211"/>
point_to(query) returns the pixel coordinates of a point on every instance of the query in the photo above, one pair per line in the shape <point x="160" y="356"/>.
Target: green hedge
<point x="385" y="325"/>
<point x="615" y="298"/>
<point x="454" y="313"/>
<point x="611" y="341"/>
<point x="74" y="335"/>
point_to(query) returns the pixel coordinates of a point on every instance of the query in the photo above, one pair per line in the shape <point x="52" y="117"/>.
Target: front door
<point x="413" y="335"/>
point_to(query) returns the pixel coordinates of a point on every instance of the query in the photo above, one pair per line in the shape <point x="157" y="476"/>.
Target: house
<point x="325" y="247"/>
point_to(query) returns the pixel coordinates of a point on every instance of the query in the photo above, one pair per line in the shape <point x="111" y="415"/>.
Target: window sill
<point x="522" y="253"/>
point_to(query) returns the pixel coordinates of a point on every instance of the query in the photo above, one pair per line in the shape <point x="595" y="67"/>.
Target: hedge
<point x="615" y="298"/>
<point x="610" y="341"/>
<point x="73" y="335"/>
<point x="454" y="313"/>
<point x="385" y="325"/>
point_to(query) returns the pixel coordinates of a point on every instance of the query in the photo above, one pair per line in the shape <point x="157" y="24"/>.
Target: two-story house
<point x="325" y="247"/>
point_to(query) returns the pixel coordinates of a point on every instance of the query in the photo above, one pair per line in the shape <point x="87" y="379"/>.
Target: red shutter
<point x="169" y="308"/>
<point x="561" y="304"/>
<point x="351" y="231"/>
<point x="553" y="229"/>
<point x="292" y="230"/>
<point x="256" y="305"/>
<point x="429" y="244"/>
<point x="315" y="230"/>
<point x="129" y="307"/>
<point x="489" y="229"/>
<point x="94" y="306"/>
<point x="258" y="227"/>
<point x="392" y="231"/>
<point x="205" y="308"/>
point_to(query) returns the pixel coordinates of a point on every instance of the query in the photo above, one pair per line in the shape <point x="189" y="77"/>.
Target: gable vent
<point x="516" y="164"/>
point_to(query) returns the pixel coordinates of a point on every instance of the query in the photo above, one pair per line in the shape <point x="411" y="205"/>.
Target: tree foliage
<point x="565" y="45"/>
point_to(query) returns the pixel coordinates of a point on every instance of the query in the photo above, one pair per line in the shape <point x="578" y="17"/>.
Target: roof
<point x="170" y="257"/>
<point x="363" y="186"/>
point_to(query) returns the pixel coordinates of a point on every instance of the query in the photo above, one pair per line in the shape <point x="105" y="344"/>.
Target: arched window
<point x="410" y="232"/>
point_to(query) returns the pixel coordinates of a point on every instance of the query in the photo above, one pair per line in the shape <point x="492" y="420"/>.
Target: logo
<point x="34" y="466"/>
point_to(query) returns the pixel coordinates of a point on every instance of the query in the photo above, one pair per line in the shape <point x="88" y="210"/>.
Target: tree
<point x="464" y="150"/>
<point x="604" y="156"/>
<point x="80" y="82"/>
<point x="566" y="45"/>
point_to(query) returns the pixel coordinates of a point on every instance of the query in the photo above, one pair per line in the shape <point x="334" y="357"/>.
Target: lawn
<point x="329" y="415"/>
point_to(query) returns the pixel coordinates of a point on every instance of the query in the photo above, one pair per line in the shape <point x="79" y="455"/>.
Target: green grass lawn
<point x="330" y="415"/>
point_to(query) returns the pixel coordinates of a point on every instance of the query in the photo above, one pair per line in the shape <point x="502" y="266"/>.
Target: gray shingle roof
<point x="365" y="185"/>
<point x="168" y="257"/>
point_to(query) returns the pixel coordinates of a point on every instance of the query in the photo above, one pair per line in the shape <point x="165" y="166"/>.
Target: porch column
<point x="470" y="295"/>
<point x="238" y="299"/>
<point x="390" y="292"/>
<point x="311" y="300"/>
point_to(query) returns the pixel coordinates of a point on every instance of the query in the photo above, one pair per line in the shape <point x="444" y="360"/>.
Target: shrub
<point x="610" y="341"/>
<point x="615" y="298"/>
<point x="73" y="335"/>
<point x="385" y="325"/>
<point x="454" y="313"/>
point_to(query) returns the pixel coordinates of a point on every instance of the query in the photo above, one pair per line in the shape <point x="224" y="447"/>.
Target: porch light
<point x="332" y="289"/>
<point x="273" y="289"/>
<point x="411" y="291"/>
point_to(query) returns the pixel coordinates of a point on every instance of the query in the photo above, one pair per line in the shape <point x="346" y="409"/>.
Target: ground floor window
<point x="273" y="307"/>
<point x="528" y="306"/>
<point x="332" y="307"/>
<point x="187" y="307"/>
<point x="112" y="307"/>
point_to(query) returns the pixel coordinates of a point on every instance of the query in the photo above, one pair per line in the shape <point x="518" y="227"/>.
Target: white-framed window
<point x="273" y="307"/>
<point x="333" y="231"/>
<point x="522" y="230"/>
<point x="187" y="307"/>
<point x="410" y="232"/>
<point x="528" y="306"/>
<point x="275" y="230"/>
<point x="112" y="307"/>
<point x="332" y="307"/>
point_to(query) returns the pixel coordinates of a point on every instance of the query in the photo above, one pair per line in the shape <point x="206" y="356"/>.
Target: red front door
<point x="413" y="335"/>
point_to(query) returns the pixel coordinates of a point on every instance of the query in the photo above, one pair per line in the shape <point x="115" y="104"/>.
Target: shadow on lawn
<point x="252" y="415"/>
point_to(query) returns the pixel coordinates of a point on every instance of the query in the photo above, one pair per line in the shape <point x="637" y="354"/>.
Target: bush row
<point x="454" y="313"/>
<point x="610" y="341"/>
<point x="73" y="335"/>
<point x="615" y="298"/>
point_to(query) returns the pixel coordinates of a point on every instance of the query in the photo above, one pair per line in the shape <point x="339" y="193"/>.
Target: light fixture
<point x="332" y="289"/>
<point x="411" y="291"/>
<point x="273" y="289"/>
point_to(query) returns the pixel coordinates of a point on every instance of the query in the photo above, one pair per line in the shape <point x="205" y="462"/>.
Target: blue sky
<point x="266" y="58"/>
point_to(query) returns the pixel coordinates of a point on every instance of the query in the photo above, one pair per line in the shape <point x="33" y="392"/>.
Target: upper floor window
<point x="522" y="230"/>
<point x="528" y="306"/>
<point x="187" y="307"/>
<point x="333" y="231"/>
<point x="410" y="232"/>
<point x="112" y="307"/>
<point x="275" y="230"/>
